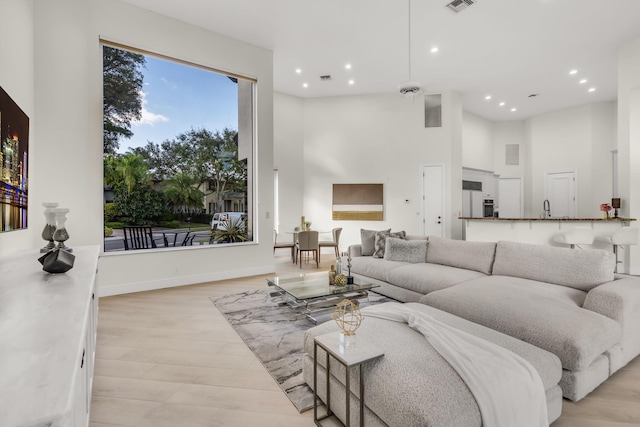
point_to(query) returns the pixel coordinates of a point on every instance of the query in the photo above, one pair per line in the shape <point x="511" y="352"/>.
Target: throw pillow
<point x="412" y="251"/>
<point x="380" y="241"/>
<point x="368" y="241"/>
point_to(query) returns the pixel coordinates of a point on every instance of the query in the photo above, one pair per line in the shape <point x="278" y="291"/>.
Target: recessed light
<point x="348" y="66"/>
<point x="305" y="85"/>
<point x="351" y="82"/>
<point x="488" y="97"/>
<point x="501" y="104"/>
<point x="298" y="70"/>
<point x="573" y="72"/>
<point x="514" y="109"/>
<point x="592" y="89"/>
<point x="583" y="81"/>
<point x="434" y="49"/>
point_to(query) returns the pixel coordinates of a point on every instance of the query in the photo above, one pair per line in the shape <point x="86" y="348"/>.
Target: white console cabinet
<point x="47" y="340"/>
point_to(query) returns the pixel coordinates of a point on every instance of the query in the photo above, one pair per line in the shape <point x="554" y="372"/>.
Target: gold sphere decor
<point x="348" y="317"/>
<point x="341" y="280"/>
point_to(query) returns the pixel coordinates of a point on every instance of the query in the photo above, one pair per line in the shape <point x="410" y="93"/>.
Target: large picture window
<point x="178" y="153"/>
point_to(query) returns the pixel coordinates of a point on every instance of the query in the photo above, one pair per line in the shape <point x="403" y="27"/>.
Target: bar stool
<point x="575" y="237"/>
<point x="622" y="236"/>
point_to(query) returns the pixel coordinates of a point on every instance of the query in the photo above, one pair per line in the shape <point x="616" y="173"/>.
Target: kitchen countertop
<point x="546" y="219"/>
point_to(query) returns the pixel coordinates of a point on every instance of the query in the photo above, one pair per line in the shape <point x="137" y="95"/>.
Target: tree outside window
<point x="177" y="149"/>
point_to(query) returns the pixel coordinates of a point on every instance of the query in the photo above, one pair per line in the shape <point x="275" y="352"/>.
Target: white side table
<point x="350" y="357"/>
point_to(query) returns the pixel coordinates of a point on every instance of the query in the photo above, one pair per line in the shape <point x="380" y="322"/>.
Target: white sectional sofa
<point x="567" y="302"/>
<point x="413" y="385"/>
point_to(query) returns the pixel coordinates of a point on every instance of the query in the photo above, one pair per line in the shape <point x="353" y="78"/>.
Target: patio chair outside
<point x="138" y="237"/>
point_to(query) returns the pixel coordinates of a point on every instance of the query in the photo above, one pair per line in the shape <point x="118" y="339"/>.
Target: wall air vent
<point x="325" y="78"/>
<point x="459" y="5"/>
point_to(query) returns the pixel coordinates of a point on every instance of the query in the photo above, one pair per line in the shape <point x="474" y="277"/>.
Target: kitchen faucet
<point x="547" y="208"/>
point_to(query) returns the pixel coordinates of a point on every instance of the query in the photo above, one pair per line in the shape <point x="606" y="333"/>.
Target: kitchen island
<point x="539" y="231"/>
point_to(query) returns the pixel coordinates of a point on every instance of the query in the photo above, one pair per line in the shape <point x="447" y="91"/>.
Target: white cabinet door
<point x="466" y="203"/>
<point x="477" y="207"/>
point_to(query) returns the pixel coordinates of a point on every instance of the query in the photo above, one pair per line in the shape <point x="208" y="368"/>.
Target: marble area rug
<point x="274" y="333"/>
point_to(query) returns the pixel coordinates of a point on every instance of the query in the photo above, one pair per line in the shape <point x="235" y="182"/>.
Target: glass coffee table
<point x="311" y="293"/>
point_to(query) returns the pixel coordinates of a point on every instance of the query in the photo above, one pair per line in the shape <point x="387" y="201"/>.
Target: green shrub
<point x="110" y="210"/>
<point x="169" y="224"/>
<point x="141" y="206"/>
<point x="115" y="224"/>
<point x="108" y="232"/>
<point x="166" y="215"/>
<point x="202" y="218"/>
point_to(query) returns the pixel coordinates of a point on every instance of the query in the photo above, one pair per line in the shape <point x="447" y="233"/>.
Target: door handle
<point x="439" y="222"/>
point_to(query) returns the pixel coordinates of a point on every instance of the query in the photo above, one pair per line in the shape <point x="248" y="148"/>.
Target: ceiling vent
<point x="325" y="78"/>
<point x="459" y="5"/>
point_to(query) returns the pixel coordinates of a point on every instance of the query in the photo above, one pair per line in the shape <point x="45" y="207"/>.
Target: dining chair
<point x="307" y="242"/>
<point x="291" y="245"/>
<point x="335" y="233"/>
<point x="138" y="237"/>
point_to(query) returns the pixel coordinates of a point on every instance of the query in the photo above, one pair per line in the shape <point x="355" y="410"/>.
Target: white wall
<point x="505" y="133"/>
<point x="574" y="139"/>
<point x="379" y="139"/>
<point x="118" y="22"/>
<point x="288" y="147"/>
<point x="67" y="144"/>
<point x="16" y="78"/>
<point x="477" y="142"/>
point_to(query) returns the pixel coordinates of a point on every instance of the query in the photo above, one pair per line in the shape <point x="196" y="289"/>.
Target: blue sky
<point x="177" y="98"/>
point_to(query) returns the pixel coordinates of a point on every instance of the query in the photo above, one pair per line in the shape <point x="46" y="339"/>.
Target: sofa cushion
<point x="476" y="256"/>
<point x="542" y="314"/>
<point x="404" y="250"/>
<point x="416" y="237"/>
<point x="582" y="269"/>
<point x="424" y="277"/>
<point x="373" y="267"/>
<point x="368" y="241"/>
<point x="381" y="241"/>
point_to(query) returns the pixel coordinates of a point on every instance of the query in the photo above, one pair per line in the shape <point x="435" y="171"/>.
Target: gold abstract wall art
<point x="358" y="202"/>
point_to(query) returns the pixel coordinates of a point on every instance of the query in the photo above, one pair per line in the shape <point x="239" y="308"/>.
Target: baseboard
<point x="128" y="288"/>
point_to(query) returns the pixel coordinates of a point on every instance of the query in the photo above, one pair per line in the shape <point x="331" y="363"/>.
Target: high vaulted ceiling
<point x="507" y="49"/>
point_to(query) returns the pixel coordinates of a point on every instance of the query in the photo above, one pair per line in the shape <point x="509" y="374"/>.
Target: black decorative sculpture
<point x="57" y="261"/>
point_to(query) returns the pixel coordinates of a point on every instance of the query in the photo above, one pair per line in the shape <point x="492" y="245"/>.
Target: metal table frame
<point x="311" y="293"/>
<point x="348" y="358"/>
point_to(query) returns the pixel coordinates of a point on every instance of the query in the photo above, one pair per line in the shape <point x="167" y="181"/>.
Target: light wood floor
<point x="169" y="358"/>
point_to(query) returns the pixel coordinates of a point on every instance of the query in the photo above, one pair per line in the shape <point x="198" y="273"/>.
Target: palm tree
<point x="131" y="170"/>
<point x="182" y="193"/>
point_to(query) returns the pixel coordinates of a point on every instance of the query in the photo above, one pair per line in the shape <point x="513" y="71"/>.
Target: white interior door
<point x="510" y="196"/>
<point x="560" y="190"/>
<point x="432" y="200"/>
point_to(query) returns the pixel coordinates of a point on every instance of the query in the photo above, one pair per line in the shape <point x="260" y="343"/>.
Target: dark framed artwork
<point x="14" y="154"/>
<point x="358" y="202"/>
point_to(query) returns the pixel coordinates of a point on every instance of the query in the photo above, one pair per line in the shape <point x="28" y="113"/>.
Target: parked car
<point x="220" y="220"/>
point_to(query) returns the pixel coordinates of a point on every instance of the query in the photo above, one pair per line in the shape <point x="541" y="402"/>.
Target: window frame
<point x="252" y="170"/>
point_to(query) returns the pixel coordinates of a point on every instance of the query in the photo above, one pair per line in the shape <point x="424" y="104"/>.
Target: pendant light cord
<point x="409" y="34"/>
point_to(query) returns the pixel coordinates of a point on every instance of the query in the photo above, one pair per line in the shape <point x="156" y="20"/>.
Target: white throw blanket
<point x="508" y="390"/>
